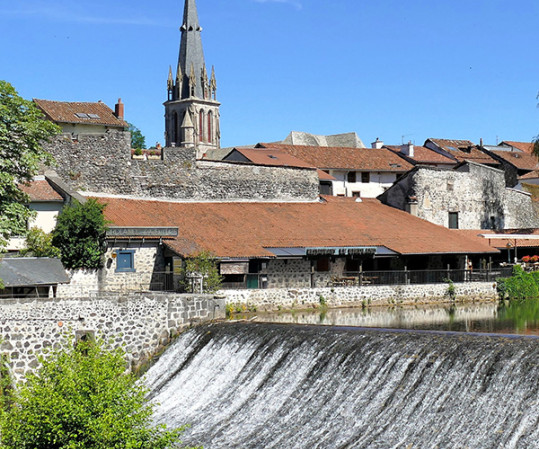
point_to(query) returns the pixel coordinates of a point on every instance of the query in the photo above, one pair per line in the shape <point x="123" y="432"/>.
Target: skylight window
<point x="271" y="156"/>
<point x="82" y="115"/>
<point x="452" y="148"/>
<point x="93" y="116"/>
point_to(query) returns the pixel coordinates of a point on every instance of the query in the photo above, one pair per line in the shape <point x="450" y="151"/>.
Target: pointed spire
<point x="191" y="52"/>
<point x="170" y="81"/>
<point x="213" y="83"/>
<point x="179" y="74"/>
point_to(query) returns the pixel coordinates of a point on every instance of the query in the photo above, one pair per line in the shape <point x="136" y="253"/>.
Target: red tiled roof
<point x="246" y="229"/>
<point x="360" y="159"/>
<point x="424" y="155"/>
<point x="531" y="175"/>
<point x="464" y="150"/>
<point x="502" y="243"/>
<point x="527" y="147"/>
<point x="521" y="160"/>
<point x="279" y="158"/>
<point x="41" y="191"/>
<point x="66" y="112"/>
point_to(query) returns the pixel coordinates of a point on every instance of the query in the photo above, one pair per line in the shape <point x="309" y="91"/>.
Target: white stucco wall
<point x="379" y="182"/>
<point x="46" y="215"/>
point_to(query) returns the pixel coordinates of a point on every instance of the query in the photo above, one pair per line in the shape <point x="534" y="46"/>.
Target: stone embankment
<point x="142" y="324"/>
<point x="378" y="295"/>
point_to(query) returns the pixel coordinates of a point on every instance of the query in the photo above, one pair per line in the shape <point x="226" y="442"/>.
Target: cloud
<point x="64" y="14"/>
<point x="295" y="3"/>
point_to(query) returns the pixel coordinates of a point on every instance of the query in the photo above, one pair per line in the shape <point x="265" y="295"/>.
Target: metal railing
<point x="363" y="278"/>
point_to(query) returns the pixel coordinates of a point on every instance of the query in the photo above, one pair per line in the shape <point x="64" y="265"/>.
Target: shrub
<point x="521" y="285"/>
<point x="39" y="244"/>
<point x="80" y="235"/>
<point x="82" y="397"/>
<point x="203" y="266"/>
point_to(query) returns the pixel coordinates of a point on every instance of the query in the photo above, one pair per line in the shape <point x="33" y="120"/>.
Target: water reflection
<point x="517" y="317"/>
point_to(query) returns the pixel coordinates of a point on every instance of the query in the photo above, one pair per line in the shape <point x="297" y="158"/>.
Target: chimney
<point x="119" y="109"/>
<point x="481" y="142"/>
<point x="408" y="149"/>
<point x="378" y="144"/>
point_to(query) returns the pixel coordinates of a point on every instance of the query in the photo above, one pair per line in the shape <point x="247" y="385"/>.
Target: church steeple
<point x="192" y="92"/>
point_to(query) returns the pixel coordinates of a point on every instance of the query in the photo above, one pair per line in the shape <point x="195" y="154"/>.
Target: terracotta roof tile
<point x="279" y="158"/>
<point x="502" y="243"/>
<point x="521" y="160"/>
<point x="41" y="191"/>
<point x="464" y="150"/>
<point x="527" y="147"/>
<point x="424" y="155"/>
<point x="360" y="159"/>
<point x="246" y="229"/>
<point x="531" y="175"/>
<point x="66" y="112"/>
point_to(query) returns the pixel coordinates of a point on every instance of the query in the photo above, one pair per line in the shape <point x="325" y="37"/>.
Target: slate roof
<point x="462" y="150"/>
<point x="358" y="159"/>
<point x="243" y="229"/>
<point x="66" y="112"/>
<point x="41" y="191"/>
<point x="527" y="147"/>
<point x="279" y="158"/>
<point x="423" y="155"/>
<point x="521" y="160"/>
<point x="32" y="272"/>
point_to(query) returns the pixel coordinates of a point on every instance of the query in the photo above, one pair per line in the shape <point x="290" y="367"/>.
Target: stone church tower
<point x="192" y="109"/>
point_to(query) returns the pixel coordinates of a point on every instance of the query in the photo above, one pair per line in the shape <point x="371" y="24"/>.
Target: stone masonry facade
<point x="476" y="193"/>
<point x="141" y="324"/>
<point x="103" y="164"/>
<point x="376" y="295"/>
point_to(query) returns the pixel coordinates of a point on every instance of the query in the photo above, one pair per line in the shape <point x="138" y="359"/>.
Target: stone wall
<point x="141" y="324"/>
<point x="297" y="298"/>
<point x="148" y="274"/>
<point x="296" y="273"/>
<point x="476" y="192"/>
<point x="103" y="164"/>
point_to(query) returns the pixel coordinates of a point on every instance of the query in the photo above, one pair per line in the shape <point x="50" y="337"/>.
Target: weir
<point x="250" y="385"/>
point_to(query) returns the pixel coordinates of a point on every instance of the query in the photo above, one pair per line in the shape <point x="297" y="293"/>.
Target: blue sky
<point x="397" y="70"/>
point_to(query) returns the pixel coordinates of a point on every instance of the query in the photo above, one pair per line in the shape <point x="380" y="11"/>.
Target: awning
<point x="32" y="272"/>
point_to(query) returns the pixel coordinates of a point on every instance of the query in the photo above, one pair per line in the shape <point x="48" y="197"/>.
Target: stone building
<point x="192" y="110"/>
<point x="471" y="196"/>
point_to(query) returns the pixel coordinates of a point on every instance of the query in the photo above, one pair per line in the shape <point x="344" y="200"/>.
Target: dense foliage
<point x="82" y="398"/>
<point x="203" y="268"/>
<point x="80" y="235"/>
<point x="138" y="141"/>
<point x="521" y="285"/>
<point x="39" y="244"/>
<point x="22" y="133"/>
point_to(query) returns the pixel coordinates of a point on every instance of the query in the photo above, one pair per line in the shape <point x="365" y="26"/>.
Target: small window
<point x="351" y="176"/>
<point x="125" y="261"/>
<point x="356" y="194"/>
<point x="365" y="177"/>
<point x="322" y="264"/>
<point x="453" y="220"/>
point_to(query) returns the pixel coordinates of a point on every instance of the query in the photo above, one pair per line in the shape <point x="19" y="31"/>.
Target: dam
<point x="260" y="385"/>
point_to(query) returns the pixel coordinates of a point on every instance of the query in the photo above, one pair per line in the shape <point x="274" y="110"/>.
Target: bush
<point x="80" y="235"/>
<point x="521" y="285"/>
<point x="202" y="266"/>
<point x="82" y="397"/>
<point x="39" y="244"/>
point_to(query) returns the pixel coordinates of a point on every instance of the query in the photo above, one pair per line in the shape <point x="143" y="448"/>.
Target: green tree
<point x="39" y="244"/>
<point x="80" y="235"/>
<point x="22" y="133"/>
<point x="202" y="267"/>
<point x="138" y="141"/>
<point x="82" y="398"/>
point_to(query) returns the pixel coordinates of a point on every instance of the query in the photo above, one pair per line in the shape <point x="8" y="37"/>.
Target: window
<point x="125" y="261"/>
<point x="322" y="264"/>
<point x="351" y="176"/>
<point x="453" y="220"/>
<point x="201" y="126"/>
<point x="210" y="128"/>
<point x="365" y="177"/>
<point x="356" y="194"/>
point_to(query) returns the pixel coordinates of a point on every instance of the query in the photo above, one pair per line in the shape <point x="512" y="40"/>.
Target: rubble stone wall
<point x="140" y="324"/>
<point x="103" y="164"/>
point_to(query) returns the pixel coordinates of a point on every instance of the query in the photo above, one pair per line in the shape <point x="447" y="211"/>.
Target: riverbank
<point x="271" y="300"/>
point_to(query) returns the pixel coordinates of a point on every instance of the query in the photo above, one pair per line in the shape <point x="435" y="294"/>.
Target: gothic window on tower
<point x="210" y="127"/>
<point x="176" y="129"/>
<point x="201" y="126"/>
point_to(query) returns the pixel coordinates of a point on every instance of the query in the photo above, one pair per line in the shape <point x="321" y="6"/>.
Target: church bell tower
<point x="192" y="109"/>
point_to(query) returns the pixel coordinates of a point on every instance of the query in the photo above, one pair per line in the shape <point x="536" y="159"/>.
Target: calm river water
<point x="518" y="317"/>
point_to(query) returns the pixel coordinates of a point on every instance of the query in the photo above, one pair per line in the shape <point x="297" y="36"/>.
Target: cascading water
<point x="277" y="386"/>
